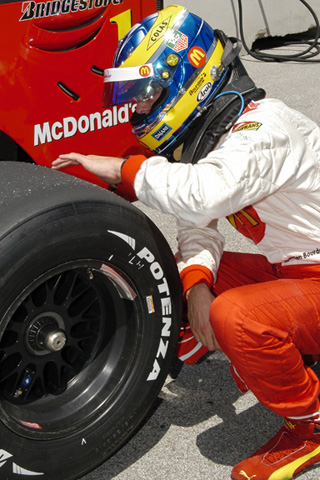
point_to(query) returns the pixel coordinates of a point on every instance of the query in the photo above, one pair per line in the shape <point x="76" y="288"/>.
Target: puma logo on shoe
<point x="285" y="455"/>
<point x="245" y="475"/>
<point x="289" y="424"/>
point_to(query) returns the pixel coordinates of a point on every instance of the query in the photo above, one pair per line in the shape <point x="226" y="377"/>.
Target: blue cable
<point x="235" y="93"/>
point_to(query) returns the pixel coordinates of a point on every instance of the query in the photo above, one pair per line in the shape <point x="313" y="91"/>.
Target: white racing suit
<point x="264" y="176"/>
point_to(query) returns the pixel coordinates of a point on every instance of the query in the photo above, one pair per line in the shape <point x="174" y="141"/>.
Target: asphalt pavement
<point x="201" y="425"/>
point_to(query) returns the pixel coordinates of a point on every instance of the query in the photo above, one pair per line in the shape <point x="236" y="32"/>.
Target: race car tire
<point x="89" y="320"/>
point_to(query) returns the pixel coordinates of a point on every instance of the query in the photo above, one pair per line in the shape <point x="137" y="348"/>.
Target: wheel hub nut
<point x="46" y="334"/>
<point x="52" y="339"/>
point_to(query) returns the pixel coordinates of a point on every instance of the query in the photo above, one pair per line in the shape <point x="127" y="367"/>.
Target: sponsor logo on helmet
<point x="35" y="9"/>
<point x="161" y="132"/>
<point x="158" y="32"/>
<point x="197" y="57"/>
<point x="177" y="41"/>
<point x="144" y="71"/>
<point x="204" y="92"/>
<point x="195" y="87"/>
<point x="246" y="126"/>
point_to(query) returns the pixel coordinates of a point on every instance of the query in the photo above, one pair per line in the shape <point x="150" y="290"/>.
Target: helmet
<point x="177" y="58"/>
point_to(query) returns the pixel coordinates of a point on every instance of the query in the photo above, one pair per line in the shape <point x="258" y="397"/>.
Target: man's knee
<point x="241" y="320"/>
<point x="226" y="316"/>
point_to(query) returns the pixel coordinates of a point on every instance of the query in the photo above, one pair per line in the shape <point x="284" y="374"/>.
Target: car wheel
<point x="90" y="305"/>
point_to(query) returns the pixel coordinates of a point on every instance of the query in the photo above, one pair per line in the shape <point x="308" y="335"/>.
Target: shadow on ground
<point x="194" y="395"/>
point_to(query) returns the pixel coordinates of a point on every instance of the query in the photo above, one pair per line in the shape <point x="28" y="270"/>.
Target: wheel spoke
<point x="68" y="302"/>
<point x="66" y="348"/>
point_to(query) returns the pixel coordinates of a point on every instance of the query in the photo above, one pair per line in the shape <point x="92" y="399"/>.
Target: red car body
<point x="53" y="53"/>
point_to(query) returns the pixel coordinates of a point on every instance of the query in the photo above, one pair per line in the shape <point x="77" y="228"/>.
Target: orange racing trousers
<point x="266" y="318"/>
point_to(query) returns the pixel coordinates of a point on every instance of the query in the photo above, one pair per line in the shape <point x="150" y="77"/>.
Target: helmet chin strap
<point x="220" y="116"/>
<point x="231" y="51"/>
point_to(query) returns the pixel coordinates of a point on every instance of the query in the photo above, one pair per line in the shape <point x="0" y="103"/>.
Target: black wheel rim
<point x="68" y="349"/>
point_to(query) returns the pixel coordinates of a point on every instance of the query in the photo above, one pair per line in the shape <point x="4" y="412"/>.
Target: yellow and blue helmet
<point x="177" y="56"/>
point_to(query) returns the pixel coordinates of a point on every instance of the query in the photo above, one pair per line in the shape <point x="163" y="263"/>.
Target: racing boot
<point x="293" y="449"/>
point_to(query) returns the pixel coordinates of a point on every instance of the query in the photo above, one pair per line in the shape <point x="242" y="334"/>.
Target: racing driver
<point x="256" y="162"/>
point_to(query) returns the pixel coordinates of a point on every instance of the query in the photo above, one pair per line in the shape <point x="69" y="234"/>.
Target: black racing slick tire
<point x="90" y="305"/>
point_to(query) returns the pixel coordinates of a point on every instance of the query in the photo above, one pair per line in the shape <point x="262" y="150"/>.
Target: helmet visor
<point x="129" y="84"/>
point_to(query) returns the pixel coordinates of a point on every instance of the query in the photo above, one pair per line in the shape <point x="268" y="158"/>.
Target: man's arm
<point x="200" y="298"/>
<point x="106" y="168"/>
